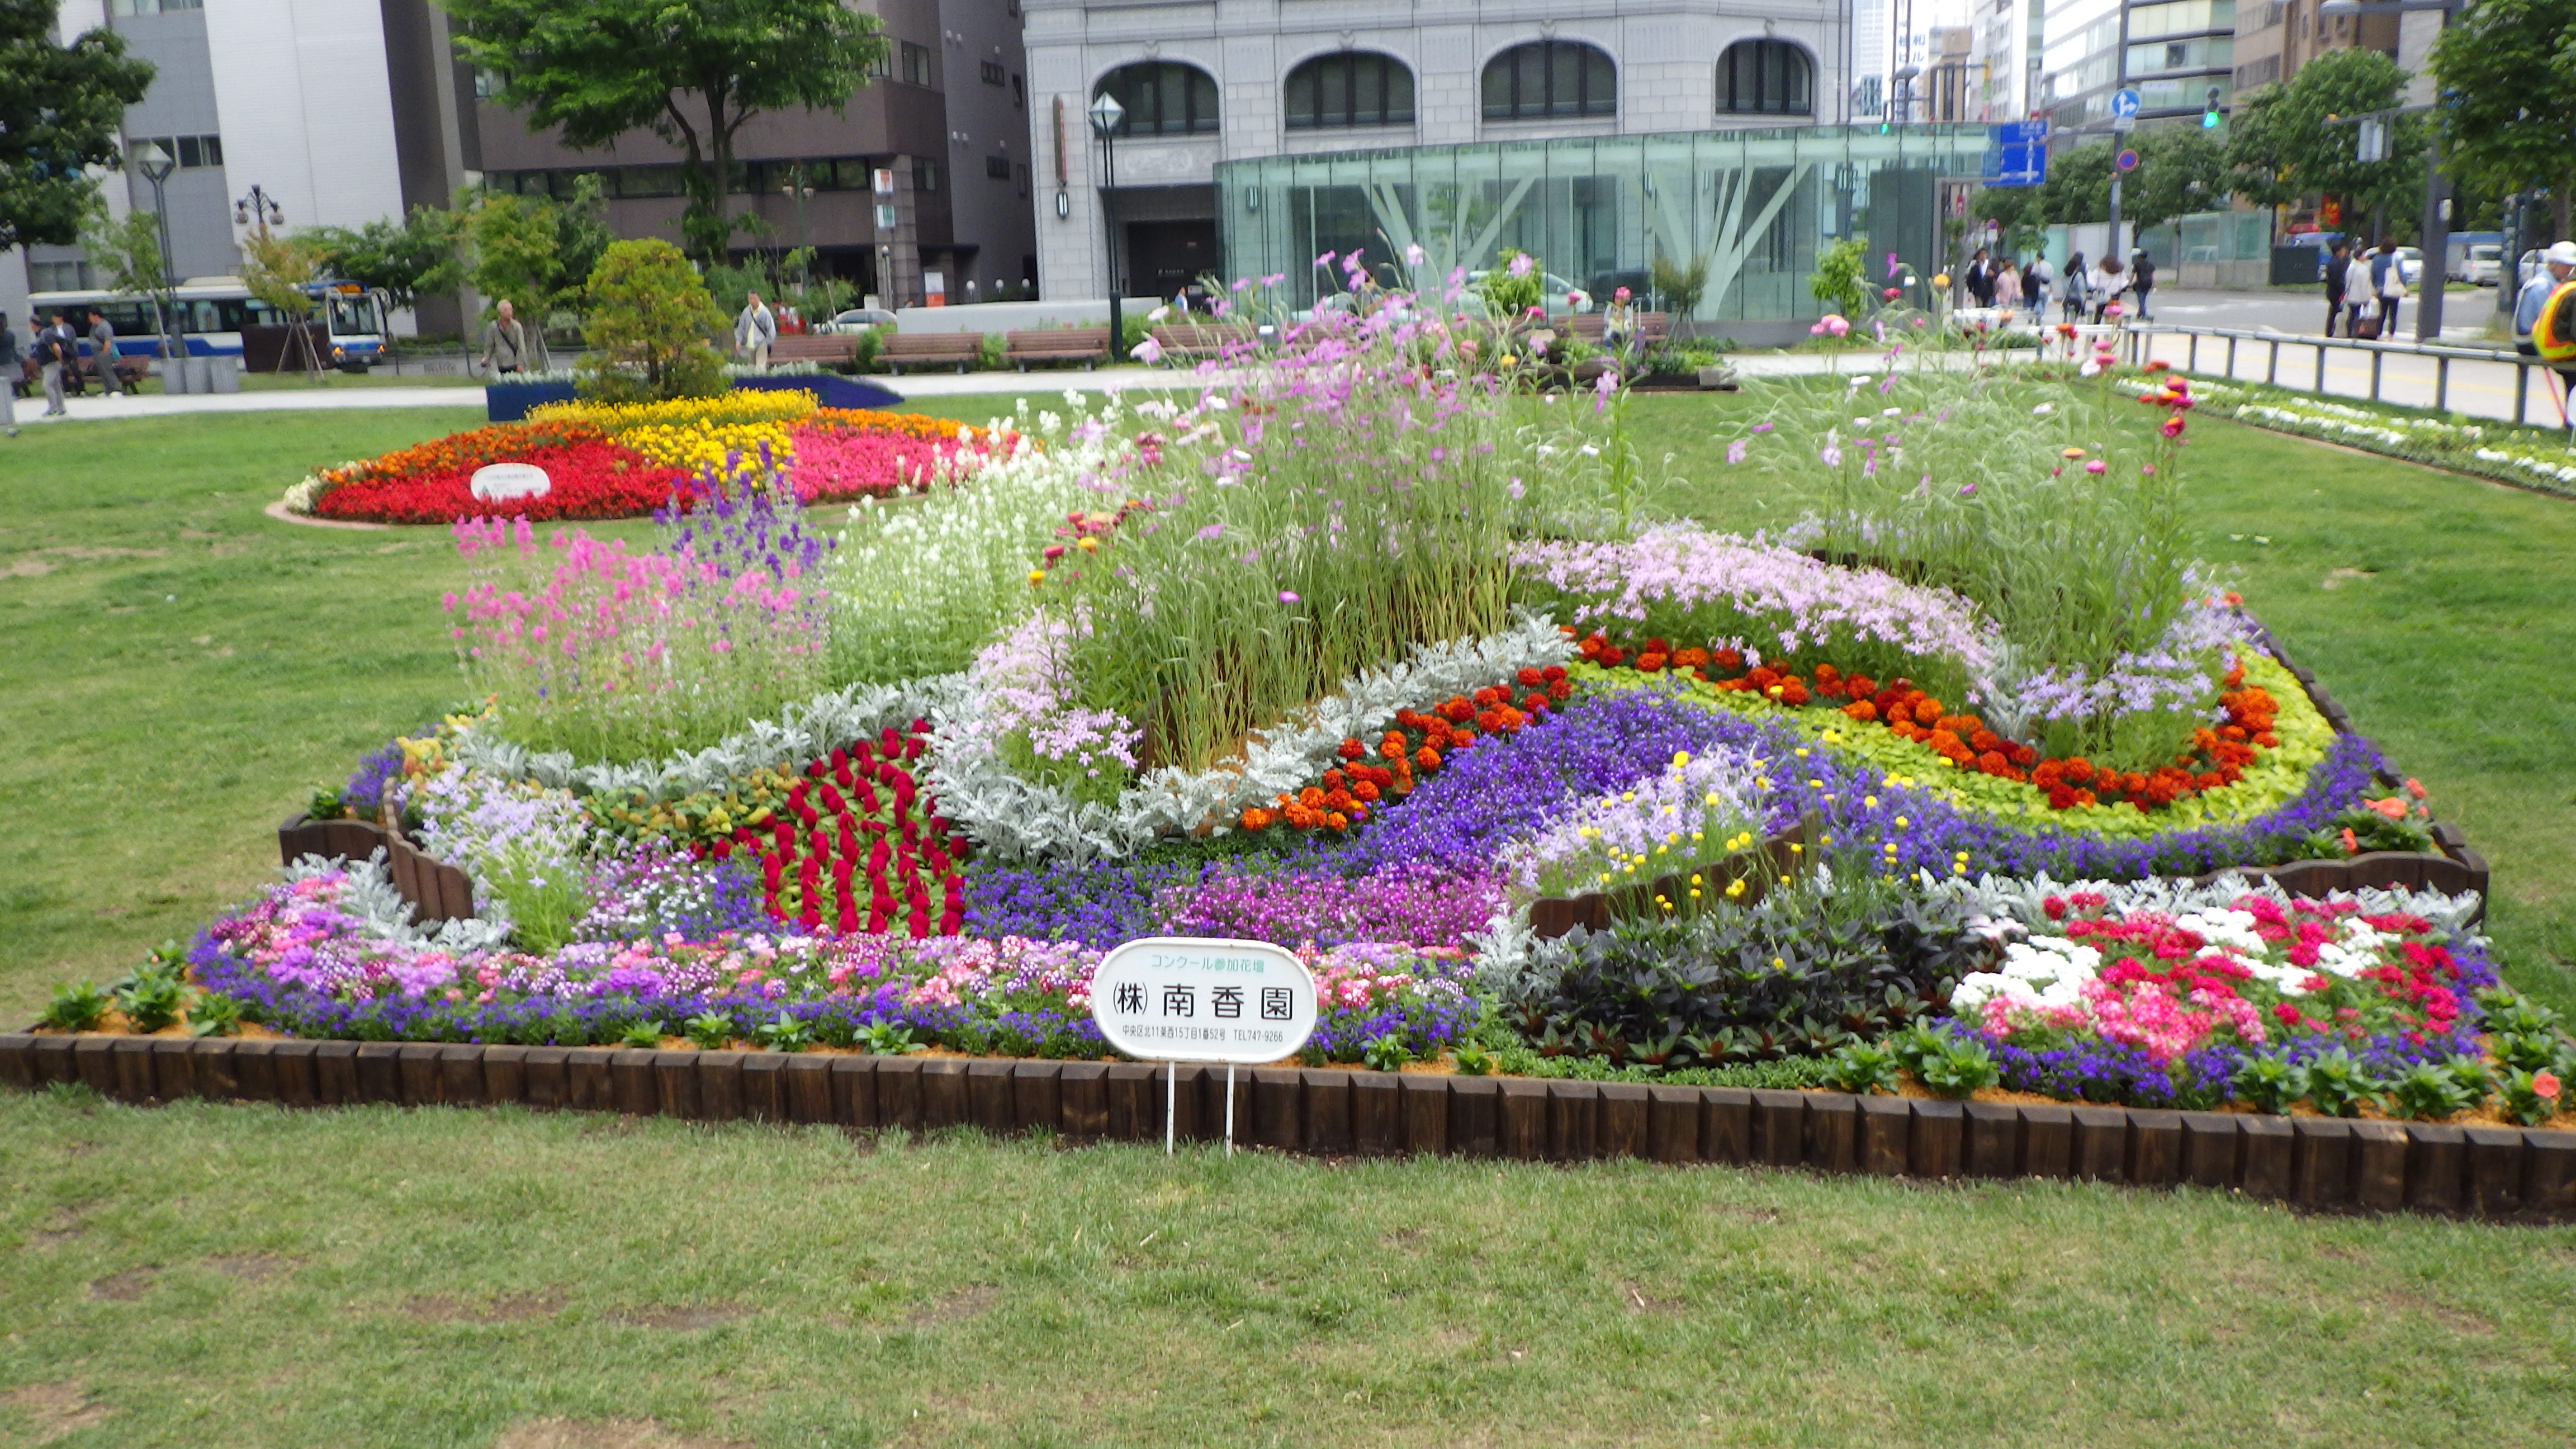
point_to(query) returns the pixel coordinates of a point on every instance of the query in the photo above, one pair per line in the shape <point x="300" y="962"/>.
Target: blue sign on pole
<point x="2018" y="154"/>
<point x="2124" y="103"/>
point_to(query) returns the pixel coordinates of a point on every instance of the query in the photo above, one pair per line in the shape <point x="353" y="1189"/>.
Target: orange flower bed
<point x="2217" y="757"/>
<point x="464" y="452"/>
<point x="1420" y="742"/>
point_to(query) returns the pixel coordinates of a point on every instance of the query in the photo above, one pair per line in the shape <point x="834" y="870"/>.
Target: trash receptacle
<point x="174" y="374"/>
<point x="197" y="374"/>
<point x="223" y="374"/>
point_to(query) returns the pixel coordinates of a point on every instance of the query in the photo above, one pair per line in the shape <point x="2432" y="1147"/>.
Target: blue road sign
<point x="2017" y="154"/>
<point x="2126" y="160"/>
<point x="2124" y="103"/>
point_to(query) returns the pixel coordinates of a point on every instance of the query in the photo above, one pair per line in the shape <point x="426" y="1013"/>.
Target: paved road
<point x="2465" y="311"/>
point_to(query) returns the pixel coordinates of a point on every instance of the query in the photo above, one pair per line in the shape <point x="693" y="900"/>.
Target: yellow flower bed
<point x="739" y="408"/>
<point x="704" y="448"/>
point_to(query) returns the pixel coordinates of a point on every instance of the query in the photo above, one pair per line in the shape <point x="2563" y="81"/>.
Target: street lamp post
<point x="798" y="191"/>
<point x="156" y="165"/>
<point x="1106" y="114"/>
<point x="2435" y="229"/>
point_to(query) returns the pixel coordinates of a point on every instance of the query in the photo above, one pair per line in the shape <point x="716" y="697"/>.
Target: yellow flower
<point x="1681" y="757"/>
<point x="1734" y="888"/>
<point x="1037" y="576"/>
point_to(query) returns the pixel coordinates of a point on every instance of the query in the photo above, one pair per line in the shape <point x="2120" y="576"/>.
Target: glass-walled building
<point x="1757" y="205"/>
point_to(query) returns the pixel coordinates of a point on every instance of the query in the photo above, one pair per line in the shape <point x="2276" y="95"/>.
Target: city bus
<point x="213" y="311"/>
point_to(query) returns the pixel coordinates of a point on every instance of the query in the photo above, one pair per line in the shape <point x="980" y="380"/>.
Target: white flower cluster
<point x="372" y="897"/>
<point x="1014" y="816"/>
<point x="2050" y="972"/>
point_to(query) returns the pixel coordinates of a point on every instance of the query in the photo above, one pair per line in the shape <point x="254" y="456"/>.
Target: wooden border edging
<point x="2314" y="1162"/>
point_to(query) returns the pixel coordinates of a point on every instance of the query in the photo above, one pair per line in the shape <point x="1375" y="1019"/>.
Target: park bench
<point x="1086" y="345"/>
<point x="1652" y="327"/>
<point x="931" y="349"/>
<point x="1183" y="341"/>
<point x="823" y="347"/>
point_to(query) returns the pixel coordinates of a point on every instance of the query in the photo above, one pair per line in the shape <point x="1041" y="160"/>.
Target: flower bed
<point x="1340" y="656"/>
<point x="2533" y="458"/>
<point x="630" y="461"/>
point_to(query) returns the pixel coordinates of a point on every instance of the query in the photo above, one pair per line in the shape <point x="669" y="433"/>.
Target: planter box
<point x="508" y="402"/>
<point x="2495" y="1172"/>
<point x="437" y="891"/>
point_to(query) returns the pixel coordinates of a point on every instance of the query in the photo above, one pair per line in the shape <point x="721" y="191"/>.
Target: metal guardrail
<point x="2141" y="336"/>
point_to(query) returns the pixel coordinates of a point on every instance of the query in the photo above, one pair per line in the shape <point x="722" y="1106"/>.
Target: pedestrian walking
<point x="2007" y="289"/>
<point x="1980" y="278"/>
<point x="2034" y="288"/>
<point x="55" y="350"/>
<point x="511" y="346"/>
<point x="753" y="331"/>
<point x="10" y="364"/>
<point x="2557" y="267"/>
<point x="2390" y="275"/>
<point x="2077" y="286"/>
<point x="2338" y="279"/>
<point x="2106" y="284"/>
<point x="2142" y="271"/>
<point x="102" y="351"/>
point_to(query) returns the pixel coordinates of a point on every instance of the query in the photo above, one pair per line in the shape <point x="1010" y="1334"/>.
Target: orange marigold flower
<point x="1427" y="757"/>
<point x="1862" y="710"/>
<point x="1352" y="749"/>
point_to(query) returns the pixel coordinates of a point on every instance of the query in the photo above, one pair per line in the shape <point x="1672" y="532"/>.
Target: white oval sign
<point x="505" y="482"/>
<point x="1189" y="999"/>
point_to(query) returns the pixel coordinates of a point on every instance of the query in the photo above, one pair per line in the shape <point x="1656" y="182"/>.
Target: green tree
<point x="129" y="252"/>
<point x="2281" y="148"/>
<point x="2078" y="189"/>
<point x="2507" y="73"/>
<point x="2181" y="169"/>
<point x="689" y="73"/>
<point x="2018" y="212"/>
<point x="533" y="252"/>
<point x="60" y="107"/>
<point x="1836" y="281"/>
<point x="401" y="259"/>
<point x="277" y="269"/>
<point x="650" y="318"/>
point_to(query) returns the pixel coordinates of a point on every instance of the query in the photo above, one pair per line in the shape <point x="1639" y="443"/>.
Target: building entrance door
<point x="1166" y="257"/>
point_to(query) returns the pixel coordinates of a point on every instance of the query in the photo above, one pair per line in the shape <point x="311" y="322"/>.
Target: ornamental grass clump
<point x="2061" y="524"/>
<point x="1348" y="503"/>
<point x="622" y="656"/>
<point x="924" y="582"/>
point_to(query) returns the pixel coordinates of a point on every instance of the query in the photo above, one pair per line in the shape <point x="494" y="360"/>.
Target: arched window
<point x="1350" y="88"/>
<point x="1163" y="98"/>
<point x="1549" y="79"/>
<point x="1766" y="78"/>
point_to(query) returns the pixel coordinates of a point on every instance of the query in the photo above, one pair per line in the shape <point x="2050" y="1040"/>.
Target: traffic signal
<point x="2209" y="110"/>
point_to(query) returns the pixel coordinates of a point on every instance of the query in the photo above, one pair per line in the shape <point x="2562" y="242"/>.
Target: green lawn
<point x="177" y="669"/>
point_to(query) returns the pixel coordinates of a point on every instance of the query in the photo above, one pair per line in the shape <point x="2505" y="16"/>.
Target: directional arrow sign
<point x="2124" y="102"/>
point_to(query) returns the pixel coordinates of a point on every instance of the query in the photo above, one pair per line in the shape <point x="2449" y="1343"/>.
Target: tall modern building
<point x="344" y="112"/>
<point x="1257" y="135"/>
<point x="2171" y="52"/>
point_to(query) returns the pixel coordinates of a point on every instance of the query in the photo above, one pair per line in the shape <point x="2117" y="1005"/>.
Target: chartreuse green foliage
<point x="2276" y="777"/>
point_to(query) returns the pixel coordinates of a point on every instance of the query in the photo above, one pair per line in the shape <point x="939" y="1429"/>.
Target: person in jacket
<point x="1980" y="278"/>
<point x="56" y="349"/>
<point x="754" y="330"/>
<point x="2388" y="281"/>
<point x="511" y="346"/>
<point x="2142" y="273"/>
<point x="2007" y="287"/>
<point x="2034" y="288"/>
<point x="2077" y="287"/>
<point x="2338" y="279"/>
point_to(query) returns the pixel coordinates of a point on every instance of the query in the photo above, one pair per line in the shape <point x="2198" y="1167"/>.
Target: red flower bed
<point x="2217" y="758"/>
<point x="591" y="479"/>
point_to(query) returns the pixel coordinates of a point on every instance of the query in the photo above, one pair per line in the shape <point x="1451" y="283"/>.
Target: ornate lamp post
<point x="156" y="166"/>
<point x="1106" y="114"/>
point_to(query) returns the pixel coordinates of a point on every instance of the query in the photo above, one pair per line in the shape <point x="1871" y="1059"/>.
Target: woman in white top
<point x="2105" y="285"/>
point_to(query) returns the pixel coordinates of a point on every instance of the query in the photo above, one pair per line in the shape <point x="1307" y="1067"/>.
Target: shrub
<point x="650" y="318"/>
<point x="77" y="1006"/>
<point x="1837" y="279"/>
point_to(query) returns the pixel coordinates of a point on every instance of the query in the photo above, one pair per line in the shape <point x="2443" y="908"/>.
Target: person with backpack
<point x="2540" y="328"/>
<point x="2034" y="288"/>
<point x="2388" y="283"/>
<point x="2076" y="284"/>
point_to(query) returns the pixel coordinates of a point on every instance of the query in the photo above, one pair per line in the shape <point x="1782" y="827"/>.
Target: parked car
<point x="2483" y="266"/>
<point x="2410" y="266"/>
<point x="857" y="319"/>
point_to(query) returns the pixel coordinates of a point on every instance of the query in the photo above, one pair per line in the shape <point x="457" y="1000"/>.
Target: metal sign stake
<point x="1229" y="1109"/>
<point x="1171" y="1099"/>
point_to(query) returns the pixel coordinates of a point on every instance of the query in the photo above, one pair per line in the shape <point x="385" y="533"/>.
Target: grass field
<point x="177" y="669"/>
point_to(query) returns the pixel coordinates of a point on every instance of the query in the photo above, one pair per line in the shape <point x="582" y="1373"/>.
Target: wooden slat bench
<point x="1651" y="327"/>
<point x="931" y="349"/>
<point x="823" y="347"/>
<point x="1086" y="345"/>
<point x="1184" y="341"/>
